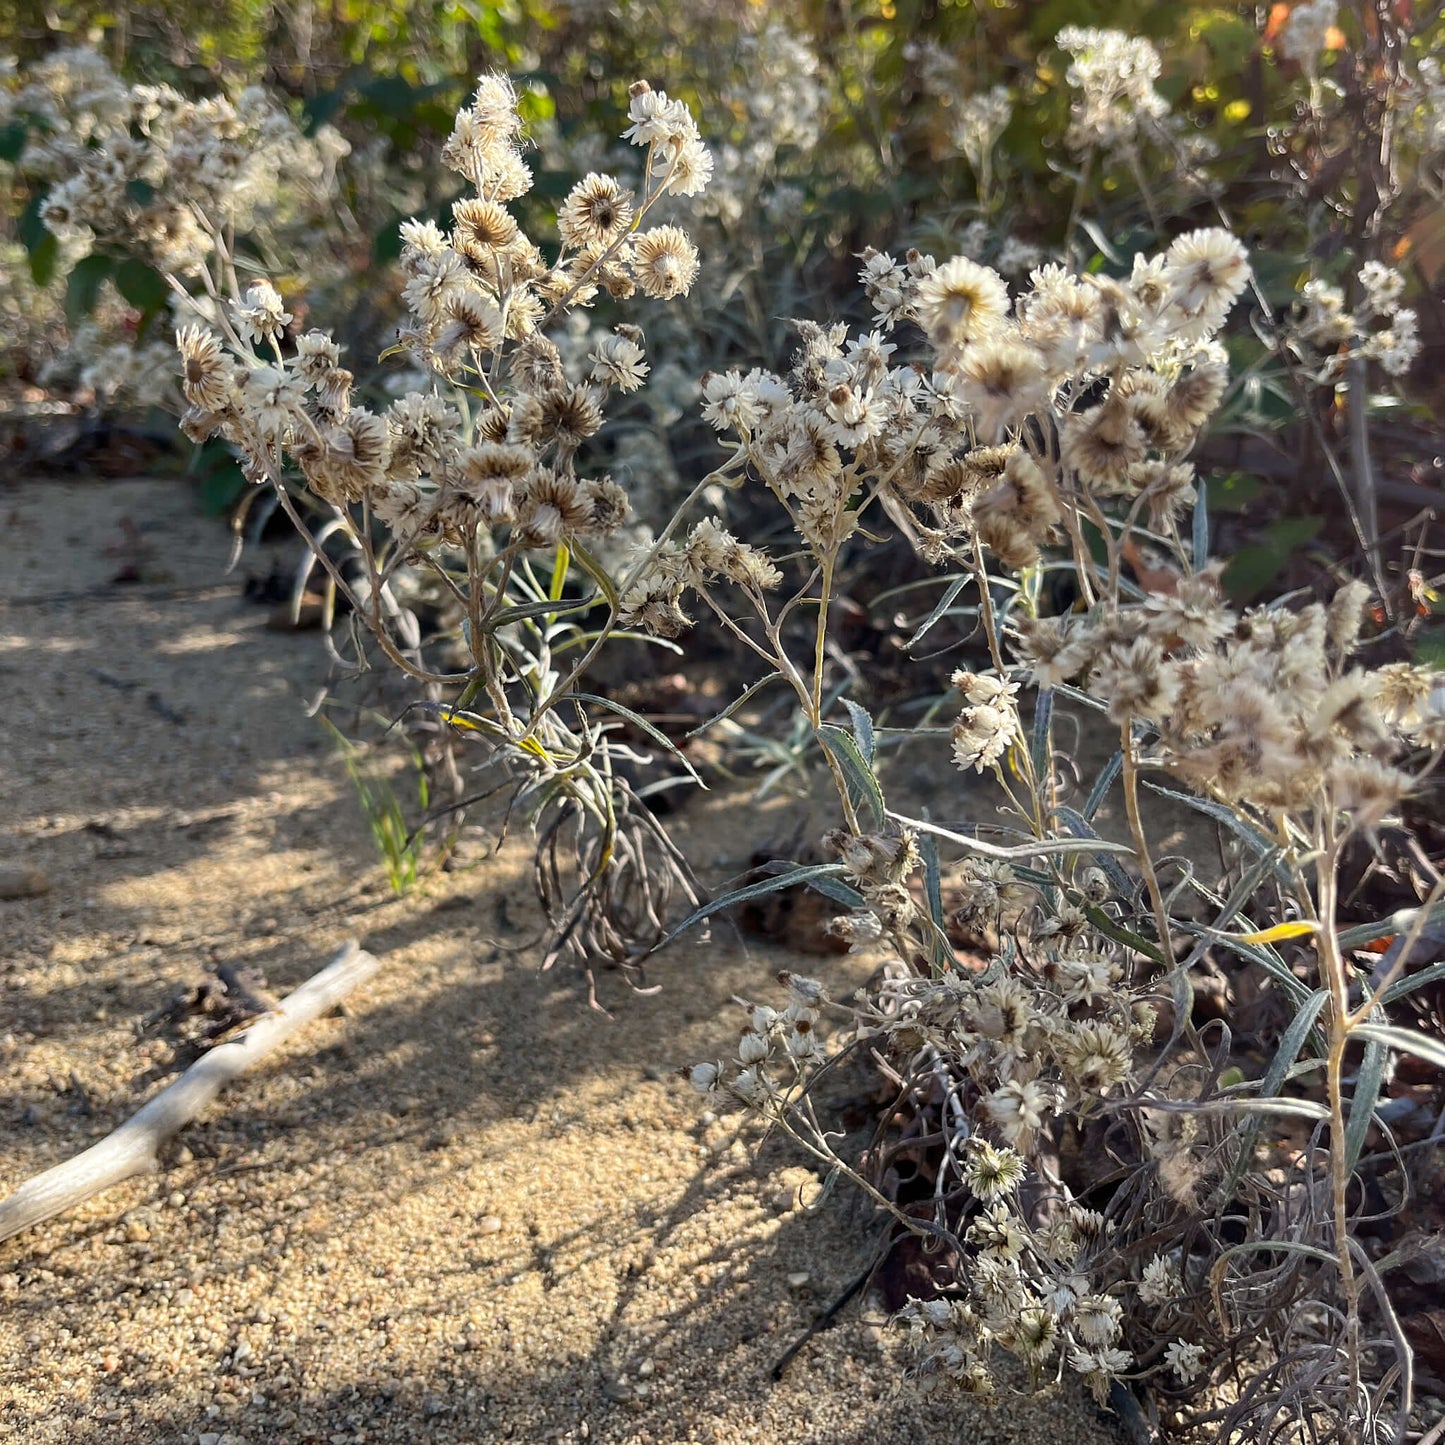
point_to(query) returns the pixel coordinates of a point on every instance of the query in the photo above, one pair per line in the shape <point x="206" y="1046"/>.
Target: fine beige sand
<point x="467" y="1208"/>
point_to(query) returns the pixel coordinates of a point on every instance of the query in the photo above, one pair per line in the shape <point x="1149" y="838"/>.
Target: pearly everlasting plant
<point x="145" y="166"/>
<point x="1031" y="430"/>
<point x="992" y="429"/>
<point x="461" y="480"/>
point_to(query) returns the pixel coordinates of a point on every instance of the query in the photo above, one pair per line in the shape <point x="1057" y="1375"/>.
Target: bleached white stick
<point x="134" y="1147"/>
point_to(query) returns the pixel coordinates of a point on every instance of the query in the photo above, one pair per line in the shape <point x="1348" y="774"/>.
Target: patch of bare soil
<point x="466" y="1209"/>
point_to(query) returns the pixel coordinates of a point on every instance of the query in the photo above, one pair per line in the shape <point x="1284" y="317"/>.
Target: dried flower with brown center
<point x="208" y="380"/>
<point x="597" y="210"/>
<point x="665" y="263"/>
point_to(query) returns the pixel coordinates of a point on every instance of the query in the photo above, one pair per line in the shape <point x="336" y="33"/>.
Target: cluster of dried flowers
<point x="493" y="441"/>
<point x="1327" y="333"/>
<point x="985" y="423"/>
<point x="1116" y="378"/>
<point x="147" y="164"/>
<point x="146" y="175"/>
<point x="1076" y="401"/>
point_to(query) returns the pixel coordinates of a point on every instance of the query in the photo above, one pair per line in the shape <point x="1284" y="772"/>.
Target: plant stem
<point x="1141" y="845"/>
<point x="1332" y="967"/>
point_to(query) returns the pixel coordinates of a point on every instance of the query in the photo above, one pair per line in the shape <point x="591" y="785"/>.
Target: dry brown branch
<point x="134" y="1147"/>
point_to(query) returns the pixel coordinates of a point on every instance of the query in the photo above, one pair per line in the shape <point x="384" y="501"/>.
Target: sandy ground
<point x="465" y="1209"/>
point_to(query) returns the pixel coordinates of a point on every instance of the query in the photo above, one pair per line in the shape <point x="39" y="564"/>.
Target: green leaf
<point x="823" y="877"/>
<point x="527" y="611"/>
<point x="1043" y="743"/>
<point x="1263" y="847"/>
<point x="1041" y="849"/>
<point x="29" y="227"/>
<point x="1262" y="954"/>
<point x="222" y="487"/>
<point x="386" y="243"/>
<point x="82" y="287"/>
<point x="143" y="286"/>
<point x="944" y="603"/>
<point x="1391" y="927"/>
<point x="932" y="878"/>
<point x="1232" y="41"/>
<point x="1102" y="784"/>
<point x="598" y="573"/>
<point x="1080" y="827"/>
<point x="1253" y="568"/>
<point x="43" y="256"/>
<point x="862" y="730"/>
<point x="638" y="721"/>
<point x="1111" y="929"/>
<point x="1288" y="1050"/>
<point x="1368" y="1083"/>
<point x="1405" y="1041"/>
<point x="1233" y="493"/>
<point x="1397" y="990"/>
<point x="1430" y="648"/>
<point x="736" y="703"/>
<point x="860" y="777"/>
<point x="12" y="140"/>
<point x="1201" y="525"/>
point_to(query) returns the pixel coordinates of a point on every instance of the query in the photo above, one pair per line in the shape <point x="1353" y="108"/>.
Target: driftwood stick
<point x="134" y="1147"/>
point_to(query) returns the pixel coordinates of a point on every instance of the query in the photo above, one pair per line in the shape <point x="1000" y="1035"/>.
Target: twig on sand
<point x="134" y="1147"/>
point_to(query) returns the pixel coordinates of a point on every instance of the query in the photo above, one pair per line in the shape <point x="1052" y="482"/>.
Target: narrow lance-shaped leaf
<point x="1397" y="923"/>
<point x="860" y="777"/>
<point x="826" y="878"/>
<point x="1230" y="819"/>
<point x="1102" y="784"/>
<point x="944" y="603"/>
<point x="1043" y="739"/>
<point x="1290" y="1045"/>
<point x="1048" y="847"/>
<point x="1368" y="1082"/>
<point x="1080" y="827"/>
<point x="736" y="703"/>
<point x="862" y="730"/>
<point x="1404" y="1041"/>
<point x="638" y="721"/>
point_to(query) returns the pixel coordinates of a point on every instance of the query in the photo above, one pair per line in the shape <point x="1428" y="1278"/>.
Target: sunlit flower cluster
<point x="1379" y="329"/>
<point x="435" y="467"/>
<point x="146" y="164"/>
<point x="1118" y="375"/>
<point x="1114" y="76"/>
